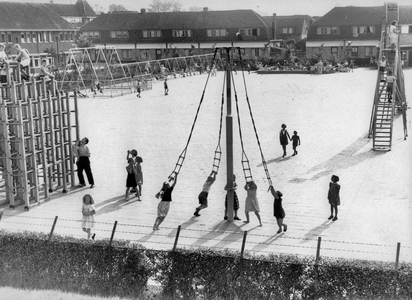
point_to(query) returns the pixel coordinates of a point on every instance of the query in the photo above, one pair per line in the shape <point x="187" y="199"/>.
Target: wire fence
<point x="170" y="238"/>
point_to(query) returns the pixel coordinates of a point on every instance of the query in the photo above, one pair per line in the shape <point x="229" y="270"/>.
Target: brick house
<point x="77" y="14"/>
<point x="35" y="27"/>
<point x="356" y="32"/>
<point x="143" y="36"/>
<point x="289" y="27"/>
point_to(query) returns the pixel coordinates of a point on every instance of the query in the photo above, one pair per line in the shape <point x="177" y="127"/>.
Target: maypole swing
<point x="228" y="81"/>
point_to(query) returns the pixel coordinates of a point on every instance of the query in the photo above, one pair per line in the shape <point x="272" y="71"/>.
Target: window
<point x="181" y="33"/>
<point x="45" y="36"/>
<point x="363" y="30"/>
<point x="323" y="30"/>
<point x="334" y="30"/>
<point x="34" y="37"/>
<point x="256" y="52"/>
<point x="151" y="33"/>
<point x="50" y="36"/>
<point x="65" y="36"/>
<point x="22" y="39"/>
<point x="287" y="30"/>
<point x="410" y="29"/>
<point x="249" y="31"/>
<point x="369" y="51"/>
<point x="334" y="50"/>
<point x="2" y="37"/>
<point x="216" y="32"/>
<point x="9" y="39"/>
<point x="119" y="34"/>
<point x="127" y="53"/>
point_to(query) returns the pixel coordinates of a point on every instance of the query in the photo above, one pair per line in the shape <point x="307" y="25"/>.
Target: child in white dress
<point x="252" y="202"/>
<point x="88" y="211"/>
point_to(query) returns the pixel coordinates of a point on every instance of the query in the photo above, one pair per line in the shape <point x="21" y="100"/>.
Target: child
<point x="138" y="90"/>
<point x="88" y="215"/>
<point x="23" y="58"/>
<point x="204" y="193"/>
<point x="278" y="211"/>
<point x="252" y="202"/>
<point x="138" y="171"/>
<point x="44" y="72"/>
<point x="284" y="137"/>
<point x="164" y="205"/>
<point x="390" y="79"/>
<point x="166" y="87"/>
<point x="131" y="177"/>
<point x="235" y="199"/>
<point x="333" y="197"/>
<point x="295" y="142"/>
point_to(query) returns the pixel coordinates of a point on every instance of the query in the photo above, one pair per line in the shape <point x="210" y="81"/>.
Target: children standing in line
<point x="88" y="211"/>
<point x="295" y="142"/>
<point x="164" y="205"/>
<point x="252" y="202"/>
<point x="166" y="87"/>
<point x="333" y="197"/>
<point x="235" y="199"/>
<point x="131" y="177"/>
<point x="278" y="210"/>
<point x="138" y="90"/>
<point x="138" y="171"/>
<point x="205" y="192"/>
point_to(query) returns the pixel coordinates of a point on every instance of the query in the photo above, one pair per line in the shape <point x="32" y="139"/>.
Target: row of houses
<point x="343" y="31"/>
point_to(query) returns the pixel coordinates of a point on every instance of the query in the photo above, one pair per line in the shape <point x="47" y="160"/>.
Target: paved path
<point x="331" y="114"/>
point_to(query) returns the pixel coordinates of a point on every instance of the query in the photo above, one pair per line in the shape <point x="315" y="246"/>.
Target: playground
<point x="332" y="117"/>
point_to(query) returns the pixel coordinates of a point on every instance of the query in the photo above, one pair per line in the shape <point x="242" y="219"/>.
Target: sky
<point x="262" y="7"/>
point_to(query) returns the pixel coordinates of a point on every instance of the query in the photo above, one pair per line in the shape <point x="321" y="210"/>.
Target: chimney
<point x="51" y="1"/>
<point x="205" y="9"/>
<point x="143" y="10"/>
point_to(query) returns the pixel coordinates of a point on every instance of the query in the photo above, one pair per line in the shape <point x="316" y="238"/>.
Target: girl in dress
<point x="284" y="138"/>
<point x="252" y="202"/>
<point x="88" y="211"/>
<point x="131" y="177"/>
<point x="333" y="197"/>
<point x="278" y="211"/>
<point x="235" y="199"/>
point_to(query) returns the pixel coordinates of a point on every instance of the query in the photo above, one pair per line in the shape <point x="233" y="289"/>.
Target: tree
<point x="116" y="7"/>
<point x="98" y="9"/>
<point x="83" y="42"/>
<point x="164" y="6"/>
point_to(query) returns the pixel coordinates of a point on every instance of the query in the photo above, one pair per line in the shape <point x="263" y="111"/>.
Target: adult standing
<point x="333" y="197"/>
<point x="24" y="59"/>
<point x="83" y="163"/>
<point x="284" y="138"/>
<point x="393" y="35"/>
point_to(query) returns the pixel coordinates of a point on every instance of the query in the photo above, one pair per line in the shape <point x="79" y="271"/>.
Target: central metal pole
<point x="229" y="140"/>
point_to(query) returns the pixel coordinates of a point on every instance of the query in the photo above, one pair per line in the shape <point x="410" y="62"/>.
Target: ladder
<point x="383" y="110"/>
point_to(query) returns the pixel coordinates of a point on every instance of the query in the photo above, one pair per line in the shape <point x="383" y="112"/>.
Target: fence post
<point x="242" y="251"/>
<point x="110" y="257"/>
<point x="52" y="229"/>
<point x="395" y="285"/>
<point x="173" y="262"/>
<point x="317" y="266"/>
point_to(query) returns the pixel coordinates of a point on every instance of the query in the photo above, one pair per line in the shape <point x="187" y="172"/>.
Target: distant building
<point x="77" y="14"/>
<point x="289" y="27"/>
<point x="143" y="36"/>
<point x="356" y="32"/>
<point x="35" y="27"/>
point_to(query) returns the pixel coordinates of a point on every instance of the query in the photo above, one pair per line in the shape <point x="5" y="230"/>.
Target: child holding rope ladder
<point x="165" y="194"/>
<point x="205" y="192"/>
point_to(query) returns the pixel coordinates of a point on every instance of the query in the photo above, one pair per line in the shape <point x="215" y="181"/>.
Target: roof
<point x="405" y="14"/>
<point x="352" y="15"/>
<point x="30" y="16"/>
<point x="296" y="21"/>
<point x="178" y="20"/>
<point x="80" y="9"/>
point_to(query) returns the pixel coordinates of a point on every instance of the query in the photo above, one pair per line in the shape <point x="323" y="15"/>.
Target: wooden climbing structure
<point x="38" y="125"/>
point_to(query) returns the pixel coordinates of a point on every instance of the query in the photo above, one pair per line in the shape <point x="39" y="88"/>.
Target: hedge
<point x="30" y="261"/>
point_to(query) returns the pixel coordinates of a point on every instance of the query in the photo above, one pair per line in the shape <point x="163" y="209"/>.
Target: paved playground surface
<point x="331" y="114"/>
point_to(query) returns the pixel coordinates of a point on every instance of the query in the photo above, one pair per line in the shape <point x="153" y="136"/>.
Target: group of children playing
<point x="134" y="180"/>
